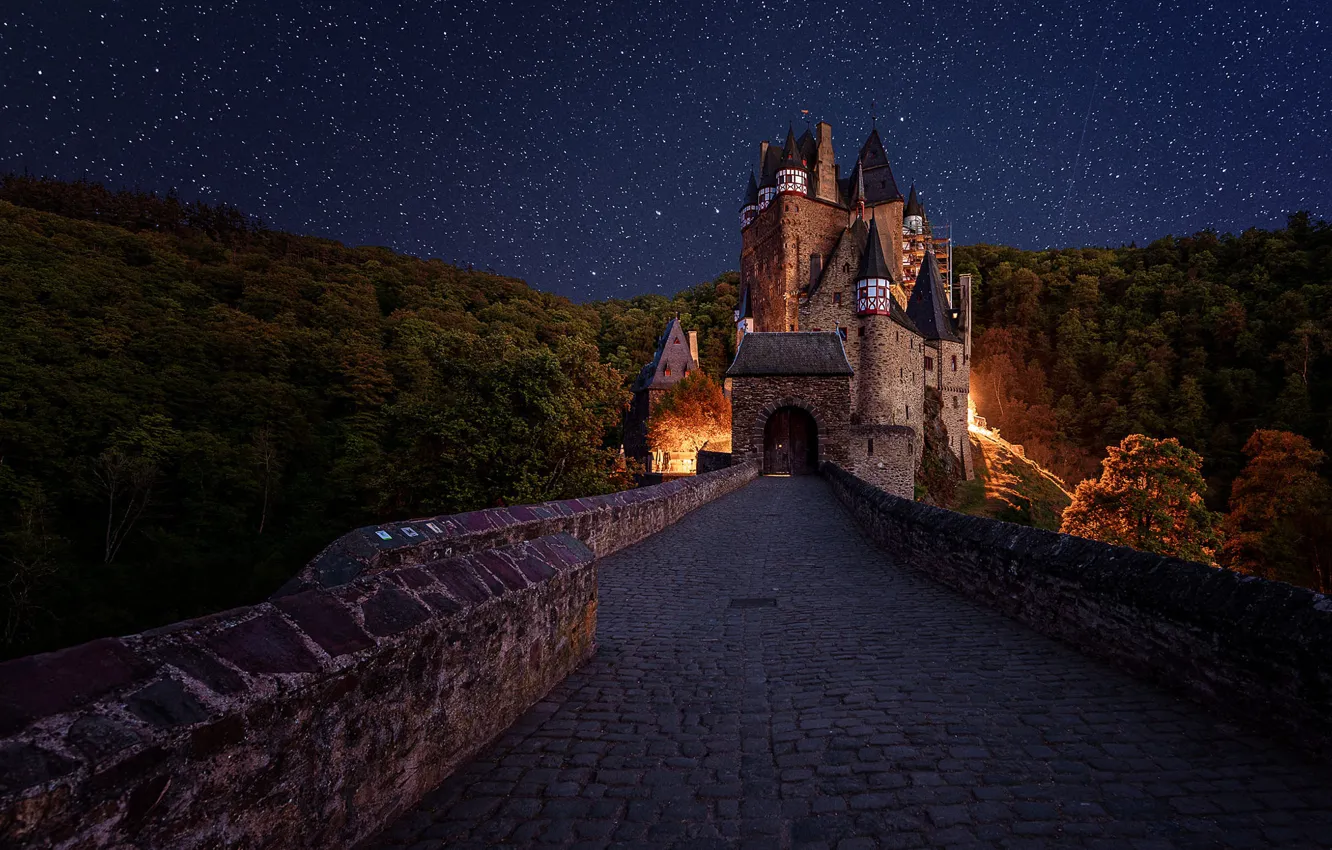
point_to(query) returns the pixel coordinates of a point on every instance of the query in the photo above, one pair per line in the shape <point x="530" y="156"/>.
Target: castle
<point x="846" y="319"/>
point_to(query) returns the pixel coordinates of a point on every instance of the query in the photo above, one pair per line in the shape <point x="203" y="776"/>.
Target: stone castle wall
<point x="951" y="375"/>
<point x="1258" y="649"/>
<point x="774" y="257"/>
<point x="885" y="456"/>
<point x="313" y="720"/>
<point x="753" y="400"/>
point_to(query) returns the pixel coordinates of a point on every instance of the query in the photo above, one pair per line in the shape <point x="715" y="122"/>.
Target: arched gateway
<point x="790" y="401"/>
<point x="790" y="443"/>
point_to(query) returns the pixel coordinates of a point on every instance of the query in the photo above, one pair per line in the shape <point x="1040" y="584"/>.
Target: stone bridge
<point x="768" y="678"/>
<point x="779" y="669"/>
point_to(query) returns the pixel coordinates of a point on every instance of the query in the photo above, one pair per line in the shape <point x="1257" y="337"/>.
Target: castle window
<point x="837" y="298"/>
<point x="954" y="362"/>
<point x="955" y="402"/>
<point x="908" y="407"/>
<point x="869" y="449"/>
<point x="675" y="342"/>
<point x="667" y="371"/>
<point x="792" y="327"/>
<point x="901" y="373"/>
<point x="860" y="331"/>
<point x="929" y="364"/>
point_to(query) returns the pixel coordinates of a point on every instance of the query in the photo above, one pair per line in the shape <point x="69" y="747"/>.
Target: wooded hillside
<point x="191" y="406"/>
<point x="1205" y="338"/>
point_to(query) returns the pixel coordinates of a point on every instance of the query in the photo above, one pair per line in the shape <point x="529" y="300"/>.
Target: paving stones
<point x="866" y="708"/>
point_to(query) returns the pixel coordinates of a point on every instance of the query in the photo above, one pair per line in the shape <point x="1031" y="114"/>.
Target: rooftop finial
<point x="874" y="116"/>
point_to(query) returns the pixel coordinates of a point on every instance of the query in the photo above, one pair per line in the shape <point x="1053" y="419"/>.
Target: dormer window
<point x="666" y="372"/>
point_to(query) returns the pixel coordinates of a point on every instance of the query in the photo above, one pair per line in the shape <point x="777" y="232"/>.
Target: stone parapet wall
<point x="713" y="461"/>
<point x="605" y="523"/>
<point x="310" y="721"/>
<point x="1257" y="649"/>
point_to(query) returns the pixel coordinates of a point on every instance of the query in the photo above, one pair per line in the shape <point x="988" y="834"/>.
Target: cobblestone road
<point x="868" y="708"/>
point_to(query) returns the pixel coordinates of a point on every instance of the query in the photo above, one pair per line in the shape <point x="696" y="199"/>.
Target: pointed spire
<point x="928" y="307"/>
<point x="872" y="152"/>
<point x="859" y="197"/>
<point x="751" y="193"/>
<point x="872" y="262"/>
<point x="791" y="152"/>
<point x="913" y="206"/>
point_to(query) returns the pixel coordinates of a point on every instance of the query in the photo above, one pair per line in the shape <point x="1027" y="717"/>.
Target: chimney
<point x="825" y="163"/>
<point x="693" y="345"/>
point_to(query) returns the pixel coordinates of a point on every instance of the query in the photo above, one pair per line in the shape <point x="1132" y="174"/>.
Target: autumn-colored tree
<point x="1149" y="497"/>
<point x="1280" y="521"/>
<point x="693" y="415"/>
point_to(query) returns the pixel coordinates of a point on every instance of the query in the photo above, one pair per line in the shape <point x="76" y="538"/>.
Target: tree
<point x="693" y="415"/>
<point x="1149" y="497"/>
<point x="1279" y="525"/>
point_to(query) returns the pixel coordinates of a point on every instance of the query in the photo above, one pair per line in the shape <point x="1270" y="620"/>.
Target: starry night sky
<point x="602" y="149"/>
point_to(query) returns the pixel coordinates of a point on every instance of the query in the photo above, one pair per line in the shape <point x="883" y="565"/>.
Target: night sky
<point x="602" y="149"/>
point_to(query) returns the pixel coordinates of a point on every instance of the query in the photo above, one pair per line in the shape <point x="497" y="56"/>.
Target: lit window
<point x="667" y="371"/>
<point x="675" y="342"/>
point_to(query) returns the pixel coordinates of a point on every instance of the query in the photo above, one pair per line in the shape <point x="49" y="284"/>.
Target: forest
<point x="1205" y="338"/>
<point x="192" y="404"/>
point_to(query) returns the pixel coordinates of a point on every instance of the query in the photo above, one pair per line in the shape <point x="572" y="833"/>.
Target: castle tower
<point x="792" y="178"/>
<point x="913" y="218"/>
<point x="749" y="210"/>
<point x="946" y="363"/>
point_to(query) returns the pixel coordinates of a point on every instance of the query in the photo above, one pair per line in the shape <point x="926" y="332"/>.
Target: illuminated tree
<point x="1279" y="525"/>
<point x="693" y="415"/>
<point x="1148" y="497"/>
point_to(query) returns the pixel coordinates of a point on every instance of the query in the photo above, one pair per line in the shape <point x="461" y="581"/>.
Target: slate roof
<point x="872" y="262"/>
<point x="771" y="162"/>
<point x="913" y="206"/>
<point x="809" y="148"/>
<point x="791" y="152"/>
<point x="880" y="185"/>
<point x="751" y="193"/>
<point x="799" y="353"/>
<point x="673" y="352"/>
<point x="928" y="306"/>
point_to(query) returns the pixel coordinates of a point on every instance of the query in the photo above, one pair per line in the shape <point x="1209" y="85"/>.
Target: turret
<point x="750" y="209"/>
<point x="744" y="317"/>
<point x="792" y="178"/>
<point x="873" y="281"/>
<point x="913" y="218"/>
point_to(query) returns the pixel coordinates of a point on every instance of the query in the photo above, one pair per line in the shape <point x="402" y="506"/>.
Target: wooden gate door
<point x="777" y="443"/>
<point x="800" y="428"/>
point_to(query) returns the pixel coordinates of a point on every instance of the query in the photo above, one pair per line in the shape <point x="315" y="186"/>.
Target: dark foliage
<point x="1203" y="338"/>
<point x="191" y="406"/>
